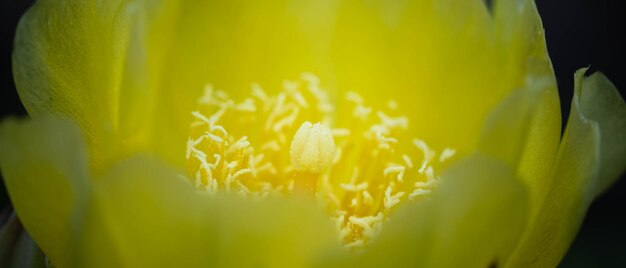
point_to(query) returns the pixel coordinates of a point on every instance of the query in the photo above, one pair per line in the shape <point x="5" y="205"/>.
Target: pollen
<point x="359" y="160"/>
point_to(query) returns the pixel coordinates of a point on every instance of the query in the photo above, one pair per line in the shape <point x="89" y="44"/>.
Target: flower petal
<point x="10" y="230"/>
<point x="26" y="254"/>
<point x="591" y="156"/>
<point x="64" y="65"/>
<point x="110" y="66"/>
<point x="601" y="102"/>
<point x="229" y="44"/>
<point x="524" y="130"/>
<point x="526" y="120"/>
<point x="474" y="220"/>
<point x="142" y="214"/>
<point x="400" y="50"/>
<point x="115" y="75"/>
<point x="45" y="169"/>
<point x="520" y="34"/>
<point x="424" y="55"/>
<point x="403" y="50"/>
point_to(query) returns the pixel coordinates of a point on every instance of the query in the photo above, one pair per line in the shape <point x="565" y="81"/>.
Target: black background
<point x="579" y="33"/>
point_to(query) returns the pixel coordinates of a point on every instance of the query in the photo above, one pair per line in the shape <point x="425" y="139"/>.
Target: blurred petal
<point x="10" y="229"/>
<point x="26" y="254"/>
<point x="141" y="215"/>
<point x="590" y="158"/>
<point x="473" y="220"/>
<point x="44" y="165"/>
<point x="17" y="249"/>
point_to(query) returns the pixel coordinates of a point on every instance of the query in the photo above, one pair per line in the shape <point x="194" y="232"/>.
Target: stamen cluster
<point x="244" y="147"/>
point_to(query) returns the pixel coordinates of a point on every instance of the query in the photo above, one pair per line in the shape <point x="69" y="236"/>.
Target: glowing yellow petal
<point x="409" y="51"/>
<point x="143" y="214"/>
<point x="448" y="61"/>
<point x="591" y="156"/>
<point x="44" y="165"/>
<point x="405" y="50"/>
<point x="231" y="44"/>
<point x="473" y="220"/>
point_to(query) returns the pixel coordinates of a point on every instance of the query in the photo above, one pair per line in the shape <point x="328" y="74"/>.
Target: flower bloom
<point x="301" y="133"/>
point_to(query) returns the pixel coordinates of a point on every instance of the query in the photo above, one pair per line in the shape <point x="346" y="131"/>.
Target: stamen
<point x="399" y="170"/>
<point x="354" y="188"/>
<point x="407" y="160"/>
<point x="258" y="92"/>
<point x="358" y="165"/>
<point x="340" y="132"/>
<point x="446" y="154"/>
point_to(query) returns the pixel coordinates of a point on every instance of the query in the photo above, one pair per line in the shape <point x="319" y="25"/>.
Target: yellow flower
<point x="430" y="135"/>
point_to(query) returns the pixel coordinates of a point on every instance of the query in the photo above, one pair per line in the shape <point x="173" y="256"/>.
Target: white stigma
<point x="312" y="148"/>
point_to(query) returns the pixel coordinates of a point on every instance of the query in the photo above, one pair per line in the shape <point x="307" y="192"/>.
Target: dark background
<point x="579" y="33"/>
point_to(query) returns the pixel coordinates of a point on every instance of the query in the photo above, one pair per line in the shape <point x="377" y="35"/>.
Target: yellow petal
<point x="591" y="156"/>
<point x="130" y="75"/>
<point x="231" y="44"/>
<point x="524" y="130"/>
<point x="44" y="165"/>
<point x="63" y="64"/>
<point x="522" y="46"/>
<point x="520" y="31"/>
<point x="474" y="220"/>
<point x="425" y="55"/>
<point x="508" y="129"/>
<point x="142" y="214"/>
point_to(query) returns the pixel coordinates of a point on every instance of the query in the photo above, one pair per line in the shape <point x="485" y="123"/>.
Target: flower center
<point x="360" y="162"/>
